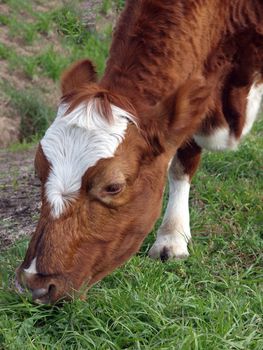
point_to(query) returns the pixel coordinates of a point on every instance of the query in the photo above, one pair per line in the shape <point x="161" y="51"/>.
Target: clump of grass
<point x="69" y="25"/>
<point x="51" y="63"/>
<point x="35" y="114"/>
<point x="44" y="22"/>
<point x="48" y="63"/>
<point x="29" y="31"/>
<point x="107" y="5"/>
<point x="24" y="30"/>
<point x="5" y="52"/>
<point x="30" y="66"/>
<point x="80" y="42"/>
<point x="4" y="19"/>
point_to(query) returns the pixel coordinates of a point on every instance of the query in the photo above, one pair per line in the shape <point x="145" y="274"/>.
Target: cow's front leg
<point x="174" y="233"/>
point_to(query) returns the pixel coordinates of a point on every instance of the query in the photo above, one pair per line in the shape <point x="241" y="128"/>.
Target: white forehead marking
<point x="32" y="269"/>
<point x="74" y="143"/>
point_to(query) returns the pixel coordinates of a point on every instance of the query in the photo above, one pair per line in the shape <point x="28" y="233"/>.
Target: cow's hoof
<point x="166" y="251"/>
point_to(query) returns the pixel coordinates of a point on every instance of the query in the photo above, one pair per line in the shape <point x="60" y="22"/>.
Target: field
<point x="211" y="301"/>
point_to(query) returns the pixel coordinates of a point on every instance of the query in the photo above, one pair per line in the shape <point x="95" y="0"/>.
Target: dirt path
<point x="20" y="195"/>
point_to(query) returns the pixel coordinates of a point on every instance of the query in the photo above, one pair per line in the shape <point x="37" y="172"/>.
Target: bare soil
<point x="20" y="196"/>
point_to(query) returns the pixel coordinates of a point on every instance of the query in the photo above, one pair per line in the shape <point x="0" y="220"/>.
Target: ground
<point x="20" y="196"/>
<point x="211" y="301"/>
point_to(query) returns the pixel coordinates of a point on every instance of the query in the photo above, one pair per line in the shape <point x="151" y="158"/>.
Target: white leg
<point x="253" y="106"/>
<point x="174" y="233"/>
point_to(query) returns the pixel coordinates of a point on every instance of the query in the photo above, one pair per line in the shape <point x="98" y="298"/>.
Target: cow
<point x="182" y="75"/>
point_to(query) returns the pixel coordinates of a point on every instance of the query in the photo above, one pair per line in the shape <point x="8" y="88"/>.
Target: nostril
<point x="51" y="289"/>
<point x="43" y="295"/>
<point x="39" y="293"/>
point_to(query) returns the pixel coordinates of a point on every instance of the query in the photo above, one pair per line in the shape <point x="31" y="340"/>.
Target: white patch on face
<point x="32" y="269"/>
<point x="253" y="105"/>
<point x="219" y="140"/>
<point x="74" y="143"/>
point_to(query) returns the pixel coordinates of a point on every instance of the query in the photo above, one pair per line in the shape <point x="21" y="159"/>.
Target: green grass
<point x="75" y="40"/>
<point x="213" y="300"/>
<point x="4" y="52"/>
<point x="67" y="40"/>
<point x="108" y="5"/>
<point x="4" y="20"/>
<point x="24" y="145"/>
<point x="35" y="114"/>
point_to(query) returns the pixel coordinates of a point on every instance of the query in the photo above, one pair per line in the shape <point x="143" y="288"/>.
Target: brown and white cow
<point x="182" y="75"/>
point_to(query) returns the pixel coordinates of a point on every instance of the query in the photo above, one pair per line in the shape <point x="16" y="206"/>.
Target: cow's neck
<point x="159" y="44"/>
<point x="150" y="58"/>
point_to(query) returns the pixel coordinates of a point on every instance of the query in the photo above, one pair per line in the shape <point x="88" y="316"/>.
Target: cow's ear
<point x="186" y="110"/>
<point x="79" y="73"/>
<point x="178" y="116"/>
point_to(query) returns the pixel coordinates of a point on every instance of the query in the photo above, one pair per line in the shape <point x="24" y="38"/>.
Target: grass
<point x="107" y="5"/>
<point x="35" y="114"/>
<point x="74" y="37"/>
<point x="213" y="300"/>
<point x="51" y="41"/>
<point x="24" y="145"/>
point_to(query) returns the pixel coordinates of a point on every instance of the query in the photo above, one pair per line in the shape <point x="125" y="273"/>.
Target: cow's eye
<point x="114" y="188"/>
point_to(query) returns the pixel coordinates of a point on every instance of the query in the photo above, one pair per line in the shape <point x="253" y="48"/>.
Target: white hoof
<point x="168" y="248"/>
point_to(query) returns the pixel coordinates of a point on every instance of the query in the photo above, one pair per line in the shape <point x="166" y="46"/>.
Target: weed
<point x="35" y="114"/>
<point x="52" y="63"/>
<point x="107" y="5"/>
<point x="4" y="19"/>
<point x="4" y="52"/>
<point x="24" y="30"/>
<point x="44" y="23"/>
<point x="69" y="24"/>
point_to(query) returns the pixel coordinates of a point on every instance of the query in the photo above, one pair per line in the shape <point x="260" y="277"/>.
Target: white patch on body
<point x="32" y="269"/>
<point x="219" y="140"/>
<point x="253" y="105"/>
<point x="174" y="233"/>
<point x="75" y="142"/>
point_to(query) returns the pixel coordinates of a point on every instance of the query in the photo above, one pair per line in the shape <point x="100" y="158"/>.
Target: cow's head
<point x="103" y="167"/>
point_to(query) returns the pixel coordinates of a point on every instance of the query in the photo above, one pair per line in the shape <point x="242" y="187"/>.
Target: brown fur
<point x="77" y="75"/>
<point x="174" y="65"/>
